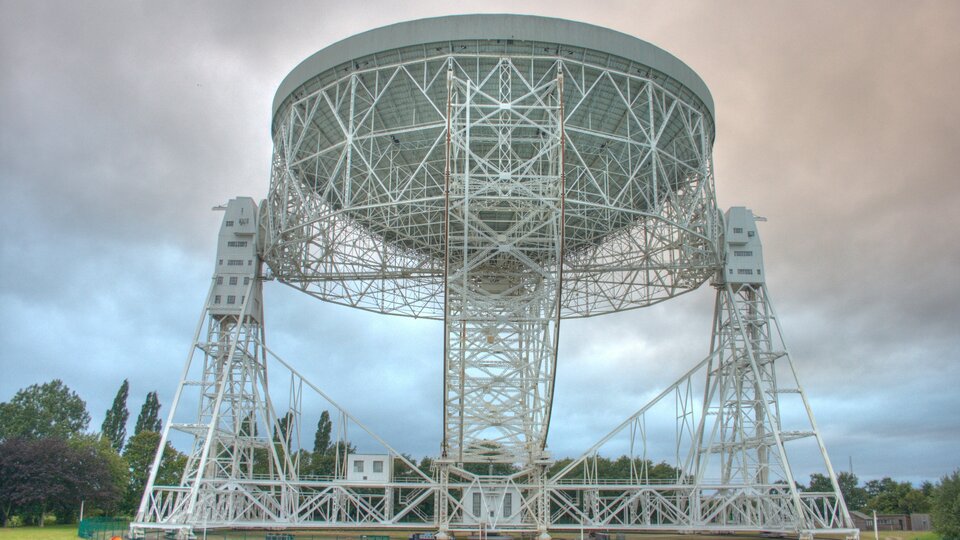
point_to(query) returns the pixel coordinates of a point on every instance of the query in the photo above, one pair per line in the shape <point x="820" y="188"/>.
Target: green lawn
<point x="900" y="535"/>
<point x="50" y="532"/>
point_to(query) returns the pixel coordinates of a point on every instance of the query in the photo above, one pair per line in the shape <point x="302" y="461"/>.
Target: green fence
<point x="105" y="528"/>
<point x="220" y="534"/>
<point x="102" y="528"/>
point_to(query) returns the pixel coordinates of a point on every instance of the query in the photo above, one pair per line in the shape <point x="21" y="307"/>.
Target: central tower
<point x="504" y="243"/>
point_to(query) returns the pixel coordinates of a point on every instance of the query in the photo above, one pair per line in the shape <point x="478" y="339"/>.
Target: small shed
<point x="372" y="468"/>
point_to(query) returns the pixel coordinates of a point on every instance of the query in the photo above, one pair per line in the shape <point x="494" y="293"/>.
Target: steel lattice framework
<point x="357" y="205"/>
<point x="500" y="173"/>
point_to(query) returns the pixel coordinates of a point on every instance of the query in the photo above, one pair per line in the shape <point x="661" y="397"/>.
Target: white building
<point x="373" y="468"/>
<point x="744" y="262"/>
<point x="492" y="505"/>
<point x="237" y="262"/>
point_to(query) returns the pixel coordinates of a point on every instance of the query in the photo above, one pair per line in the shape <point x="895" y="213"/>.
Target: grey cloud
<point x="123" y="125"/>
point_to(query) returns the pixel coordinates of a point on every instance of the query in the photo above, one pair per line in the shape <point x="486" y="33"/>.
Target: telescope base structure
<point x="740" y="414"/>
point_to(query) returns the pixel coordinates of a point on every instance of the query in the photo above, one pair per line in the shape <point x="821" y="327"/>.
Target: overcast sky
<point x="122" y="124"/>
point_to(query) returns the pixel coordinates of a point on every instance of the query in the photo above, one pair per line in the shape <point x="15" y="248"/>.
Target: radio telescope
<point x="499" y="173"/>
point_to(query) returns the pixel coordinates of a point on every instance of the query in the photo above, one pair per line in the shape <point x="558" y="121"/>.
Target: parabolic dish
<point x="356" y="212"/>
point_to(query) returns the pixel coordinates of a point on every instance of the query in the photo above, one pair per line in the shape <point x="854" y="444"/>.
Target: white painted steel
<point x="499" y="183"/>
<point x="732" y="454"/>
<point x="356" y="209"/>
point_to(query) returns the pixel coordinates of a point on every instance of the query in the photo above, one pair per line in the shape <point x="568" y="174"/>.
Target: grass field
<point x="50" y="532"/>
<point x="901" y="535"/>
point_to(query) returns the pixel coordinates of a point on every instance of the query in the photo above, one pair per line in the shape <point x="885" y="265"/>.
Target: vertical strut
<point x="446" y="261"/>
<point x="562" y="229"/>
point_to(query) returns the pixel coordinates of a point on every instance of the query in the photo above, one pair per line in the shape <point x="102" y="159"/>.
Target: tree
<point x="51" y="474"/>
<point x="283" y="429"/>
<point x="47" y="410"/>
<point x="622" y="468"/>
<point x="915" y="502"/>
<point x="945" y="511"/>
<point x="887" y="496"/>
<point x="855" y="496"/>
<point x="149" y="418"/>
<point x="114" y="426"/>
<point x="403" y="472"/>
<point x="663" y="471"/>
<point x="248" y="427"/>
<point x="105" y="484"/>
<point x="139" y="454"/>
<point x="321" y="441"/>
<point x="326" y="464"/>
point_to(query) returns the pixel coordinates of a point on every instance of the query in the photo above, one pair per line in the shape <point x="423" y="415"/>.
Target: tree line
<point x="887" y="496"/>
<point x="49" y="463"/>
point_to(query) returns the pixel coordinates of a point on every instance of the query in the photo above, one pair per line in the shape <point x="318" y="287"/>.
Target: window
<point x="249" y="262"/>
<point x="237" y="243"/>
<point x="358" y="465"/>
<point x="219" y="280"/>
<point x="231" y="299"/>
<point x="476" y="504"/>
<point x="229" y="224"/>
<point x="221" y="262"/>
<point x="507" y="504"/>
<point x="744" y="271"/>
<point x="234" y="262"/>
<point x="242" y="299"/>
<point x="743" y="254"/>
<point x="750" y="234"/>
<point x="246" y="281"/>
<point x="216" y="299"/>
<point x="244" y="221"/>
<point x="378" y="466"/>
<point x="233" y="280"/>
<point x="737" y="230"/>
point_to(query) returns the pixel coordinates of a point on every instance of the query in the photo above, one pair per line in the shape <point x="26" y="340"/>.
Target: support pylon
<point x="741" y="416"/>
<point x="237" y="434"/>
<point x="741" y="439"/>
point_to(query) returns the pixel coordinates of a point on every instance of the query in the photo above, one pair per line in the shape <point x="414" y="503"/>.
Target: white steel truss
<point x="731" y="451"/>
<point x="245" y="468"/>
<point x="356" y="209"/>
<point x="234" y="421"/>
<point x="499" y="188"/>
<point x="730" y="457"/>
<point x="732" y="439"/>
<point x="504" y="246"/>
